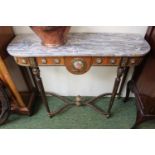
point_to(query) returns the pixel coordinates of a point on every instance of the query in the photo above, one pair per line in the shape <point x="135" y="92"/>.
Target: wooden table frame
<point x="123" y="64"/>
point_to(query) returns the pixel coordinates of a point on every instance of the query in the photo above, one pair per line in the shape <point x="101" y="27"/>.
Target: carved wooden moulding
<point x="52" y="36"/>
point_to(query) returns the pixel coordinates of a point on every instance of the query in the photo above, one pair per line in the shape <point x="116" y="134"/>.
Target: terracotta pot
<point x="52" y="36"/>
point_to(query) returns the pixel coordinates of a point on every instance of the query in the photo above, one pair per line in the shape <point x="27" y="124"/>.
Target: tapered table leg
<point x="120" y="72"/>
<point x="128" y="90"/>
<point x="123" y="81"/>
<point x="36" y="73"/>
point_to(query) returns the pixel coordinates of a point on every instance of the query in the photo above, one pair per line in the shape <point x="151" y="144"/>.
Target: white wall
<point x="96" y="81"/>
<point x="121" y="29"/>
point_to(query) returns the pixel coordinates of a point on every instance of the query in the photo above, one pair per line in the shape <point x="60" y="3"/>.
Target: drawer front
<point x="55" y="61"/>
<point x="41" y="61"/>
<point x="22" y="61"/>
<point x="97" y="61"/>
<point x="109" y="61"/>
<point x="89" y="61"/>
<point x="134" y="61"/>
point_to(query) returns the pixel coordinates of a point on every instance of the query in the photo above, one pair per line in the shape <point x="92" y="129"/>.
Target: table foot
<point x="108" y="115"/>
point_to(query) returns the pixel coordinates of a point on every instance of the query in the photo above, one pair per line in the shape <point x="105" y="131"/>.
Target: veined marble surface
<point x="81" y="44"/>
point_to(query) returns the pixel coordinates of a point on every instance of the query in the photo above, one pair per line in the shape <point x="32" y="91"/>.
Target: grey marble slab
<point x="81" y="44"/>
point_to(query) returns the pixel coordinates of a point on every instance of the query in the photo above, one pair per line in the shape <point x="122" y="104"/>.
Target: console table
<point x="78" y="55"/>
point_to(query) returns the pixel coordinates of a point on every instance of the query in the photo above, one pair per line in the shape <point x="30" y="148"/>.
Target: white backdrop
<point x="96" y="81"/>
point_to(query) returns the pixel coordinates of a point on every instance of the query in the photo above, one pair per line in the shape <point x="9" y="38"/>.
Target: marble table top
<point x="81" y="44"/>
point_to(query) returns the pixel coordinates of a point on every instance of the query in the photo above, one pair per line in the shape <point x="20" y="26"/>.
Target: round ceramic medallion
<point x="78" y="64"/>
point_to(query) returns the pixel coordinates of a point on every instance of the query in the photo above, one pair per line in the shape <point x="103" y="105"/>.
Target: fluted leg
<point x="128" y="90"/>
<point x="120" y="72"/>
<point x="36" y="73"/>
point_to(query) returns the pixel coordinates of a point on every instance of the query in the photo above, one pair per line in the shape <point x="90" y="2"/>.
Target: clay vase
<point x="52" y="36"/>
